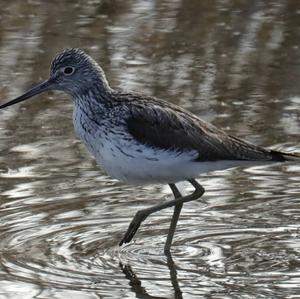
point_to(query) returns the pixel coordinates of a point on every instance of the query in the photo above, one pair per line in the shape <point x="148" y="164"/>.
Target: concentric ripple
<point x="221" y="245"/>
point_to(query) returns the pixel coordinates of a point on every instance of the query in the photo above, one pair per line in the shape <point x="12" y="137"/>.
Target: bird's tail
<point x="281" y="156"/>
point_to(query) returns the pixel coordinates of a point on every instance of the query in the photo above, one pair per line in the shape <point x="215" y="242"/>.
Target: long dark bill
<point x="44" y="86"/>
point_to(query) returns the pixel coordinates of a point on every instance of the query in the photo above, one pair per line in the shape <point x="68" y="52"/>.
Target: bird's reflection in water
<point x="136" y="283"/>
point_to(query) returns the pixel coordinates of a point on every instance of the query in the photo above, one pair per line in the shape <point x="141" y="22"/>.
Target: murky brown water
<point x="234" y="63"/>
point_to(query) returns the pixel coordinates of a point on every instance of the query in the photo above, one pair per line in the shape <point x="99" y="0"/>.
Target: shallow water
<point x="233" y="63"/>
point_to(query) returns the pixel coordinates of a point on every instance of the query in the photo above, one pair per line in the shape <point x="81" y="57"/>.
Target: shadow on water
<point x="233" y="63"/>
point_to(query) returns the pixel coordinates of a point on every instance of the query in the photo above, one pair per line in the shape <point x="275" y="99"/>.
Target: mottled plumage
<point x="141" y="139"/>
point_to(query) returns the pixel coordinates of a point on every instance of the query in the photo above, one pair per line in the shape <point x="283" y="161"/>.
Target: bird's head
<point x="73" y="72"/>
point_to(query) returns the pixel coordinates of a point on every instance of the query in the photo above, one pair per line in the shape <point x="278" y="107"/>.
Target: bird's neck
<point x="94" y="99"/>
<point x="94" y="93"/>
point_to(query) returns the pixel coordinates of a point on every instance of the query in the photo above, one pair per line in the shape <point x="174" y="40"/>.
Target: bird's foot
<point x="139" y="217"/>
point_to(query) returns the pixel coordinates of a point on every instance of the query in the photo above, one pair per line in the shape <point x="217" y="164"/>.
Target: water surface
<point x="233" y="63"/>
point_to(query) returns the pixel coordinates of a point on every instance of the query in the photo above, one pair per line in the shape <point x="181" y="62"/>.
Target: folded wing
<point x="168" y="127"/>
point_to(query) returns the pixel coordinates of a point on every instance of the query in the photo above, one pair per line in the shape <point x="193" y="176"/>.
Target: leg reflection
<point x="140" y="291"/>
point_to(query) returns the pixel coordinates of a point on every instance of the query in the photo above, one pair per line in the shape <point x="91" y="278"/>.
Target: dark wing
<point x="166" y="126"/>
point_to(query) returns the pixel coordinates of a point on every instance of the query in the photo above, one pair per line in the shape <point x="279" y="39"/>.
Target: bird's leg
<point x="141" y="215"/>
<point x="199" y="190"/>
<point x="175" y="217"/>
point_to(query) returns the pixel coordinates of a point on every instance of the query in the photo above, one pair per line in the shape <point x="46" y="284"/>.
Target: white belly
<point x="142" y="165"/>
<point x="136" y="163"/>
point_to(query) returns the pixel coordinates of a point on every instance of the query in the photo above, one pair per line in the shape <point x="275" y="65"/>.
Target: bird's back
<point x="167" y="126"/>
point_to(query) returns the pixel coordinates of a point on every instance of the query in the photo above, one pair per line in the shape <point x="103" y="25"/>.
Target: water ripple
<point x="61" y="217"/>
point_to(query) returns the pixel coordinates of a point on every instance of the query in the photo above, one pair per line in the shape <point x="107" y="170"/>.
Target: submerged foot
<point x="139" y="217"/>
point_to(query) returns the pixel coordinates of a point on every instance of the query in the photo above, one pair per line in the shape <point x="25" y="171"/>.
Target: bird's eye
<point x="69" y="70"/>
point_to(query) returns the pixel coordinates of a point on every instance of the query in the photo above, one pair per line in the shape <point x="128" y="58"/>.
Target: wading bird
<point x="141" y="139"/>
